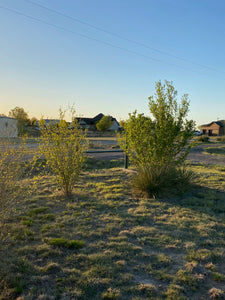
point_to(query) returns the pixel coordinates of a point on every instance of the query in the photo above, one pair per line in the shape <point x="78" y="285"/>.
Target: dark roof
<point x="2" y="116"/>
<point x="91" y="121"/>
<point x="217" y="122"/>
<point x="88" y="121"/>
<point x="97" y="118"/>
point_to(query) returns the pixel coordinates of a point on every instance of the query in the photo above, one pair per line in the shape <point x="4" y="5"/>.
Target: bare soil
<point x="196" y="155"/>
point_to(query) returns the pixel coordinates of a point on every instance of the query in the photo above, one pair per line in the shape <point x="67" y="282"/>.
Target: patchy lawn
<point x="105" y="243"/>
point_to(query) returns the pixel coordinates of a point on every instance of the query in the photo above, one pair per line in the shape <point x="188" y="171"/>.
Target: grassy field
<point x="106" y="243"/>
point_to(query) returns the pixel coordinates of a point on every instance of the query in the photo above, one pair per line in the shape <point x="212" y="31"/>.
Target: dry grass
<point x="105" y="243"/>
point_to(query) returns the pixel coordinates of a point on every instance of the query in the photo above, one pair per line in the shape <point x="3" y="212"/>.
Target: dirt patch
<point x="196" y="155"/>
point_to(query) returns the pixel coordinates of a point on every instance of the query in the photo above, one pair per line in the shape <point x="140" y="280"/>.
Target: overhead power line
<point x="86" y="36"/>
<point x="94" y="39"/>
<point x="120" y="36"/>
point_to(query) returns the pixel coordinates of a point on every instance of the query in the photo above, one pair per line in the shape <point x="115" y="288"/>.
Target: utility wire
<point x="85" y="36"/>
<point x="94" y="39"/>
<point x="121" y="37"/>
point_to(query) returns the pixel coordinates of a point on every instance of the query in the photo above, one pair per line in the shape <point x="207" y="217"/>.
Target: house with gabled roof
<point x="214" y="128"/>
<point x="90" y="123"/>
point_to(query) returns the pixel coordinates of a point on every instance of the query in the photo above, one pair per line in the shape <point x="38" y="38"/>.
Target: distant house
<point x="51" y="121"/>
<point x="48" y="122"/>
<point x="90" y="123"/>
<point x="213" y="128"/>
<point x="8" y="127"/>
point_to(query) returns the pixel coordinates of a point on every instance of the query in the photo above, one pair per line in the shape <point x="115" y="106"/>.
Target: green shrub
<point x="64" y="148"/>
<point x="158" y="146"/>
<point x="203" y="138"/>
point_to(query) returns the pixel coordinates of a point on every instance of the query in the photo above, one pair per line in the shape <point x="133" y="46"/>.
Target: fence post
<point x="126" y="156"/>
<point x="126" y="161"/>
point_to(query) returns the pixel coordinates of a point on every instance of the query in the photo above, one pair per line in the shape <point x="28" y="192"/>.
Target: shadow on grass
<point x="165" y="247"/>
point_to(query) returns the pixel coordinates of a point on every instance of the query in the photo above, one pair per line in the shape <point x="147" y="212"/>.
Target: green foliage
<point x="21" y="116"/>
<point x="104" y="123"/>
<point x="161" y="142"/>
<point x="203" y="138"/>
<point x="64" y="149"/>
<point x="11" y="171"/>
<point x="61" y="242"/>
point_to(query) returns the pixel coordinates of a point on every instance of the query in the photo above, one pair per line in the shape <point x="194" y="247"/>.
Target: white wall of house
<point x="8" y="127"/>
<point x="114" y="126"/>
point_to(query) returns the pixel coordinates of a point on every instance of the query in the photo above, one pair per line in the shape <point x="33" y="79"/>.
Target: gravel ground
<point x="196" y="155"/>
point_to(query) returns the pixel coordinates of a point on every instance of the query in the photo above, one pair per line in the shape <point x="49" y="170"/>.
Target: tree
<point x="158" y="145"/>
<point x="104" y="123"/>
<point x="21" y="116"/>
<point x="64" y="149"/>
<point x="122" y="123"/>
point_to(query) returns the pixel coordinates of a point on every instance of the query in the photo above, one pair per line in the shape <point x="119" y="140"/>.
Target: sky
<point x="105" y="56"/>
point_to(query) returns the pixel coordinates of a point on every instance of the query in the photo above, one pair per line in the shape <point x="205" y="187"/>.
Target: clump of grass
<point x="150" y="180"/>
<point x="111" y="294"/>
<point x="215" y="293"/>
<point x="174" y="291"/>
<point x="38" y="210"/>
<point x="61" y="242"/>
<point x="48" y="217"/>
<point x="218" y="277"/>
<point x="185" y="278"/>
<point x="147" y="290"/>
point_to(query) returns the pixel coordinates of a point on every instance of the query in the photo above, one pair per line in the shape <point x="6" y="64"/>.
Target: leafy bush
<point x="203" y="138"/>
<point x="158" y="146"/>
<point x="64" y="149"/>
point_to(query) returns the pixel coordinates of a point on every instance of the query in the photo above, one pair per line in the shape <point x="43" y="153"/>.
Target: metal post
<point x="126" y="161"/>
<point x="126" y="156"/>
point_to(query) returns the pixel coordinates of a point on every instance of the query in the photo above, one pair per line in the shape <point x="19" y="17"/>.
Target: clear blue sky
<point x="106" y="55"/>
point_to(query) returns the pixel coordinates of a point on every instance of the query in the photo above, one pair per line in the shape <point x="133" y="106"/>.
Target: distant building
<point x="90" y="123"/>
<point x="8" y="127"/>
<point x="213" y="128"/>
<point x="49" y="122"/>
